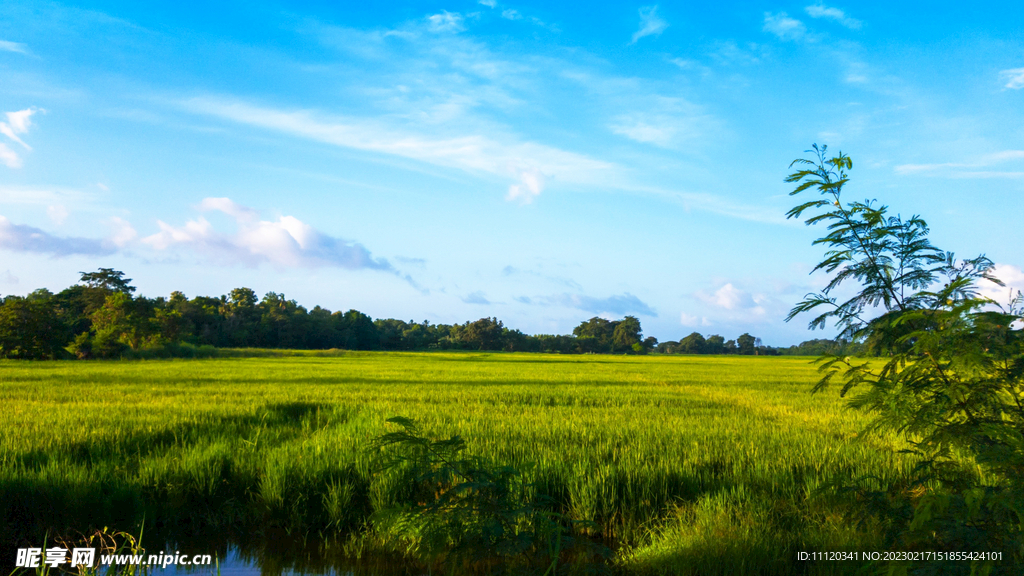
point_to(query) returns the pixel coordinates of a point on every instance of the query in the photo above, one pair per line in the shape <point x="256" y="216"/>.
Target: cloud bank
<point x="619" y="305"/>
<point x="286" y="242"/>
<point x="21" y="238"/>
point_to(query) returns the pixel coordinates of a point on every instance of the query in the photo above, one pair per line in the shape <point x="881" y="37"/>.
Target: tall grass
<point x="703" y="465"/>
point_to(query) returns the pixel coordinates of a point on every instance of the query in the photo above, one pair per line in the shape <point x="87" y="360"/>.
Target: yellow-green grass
<point x="690" y="464"/>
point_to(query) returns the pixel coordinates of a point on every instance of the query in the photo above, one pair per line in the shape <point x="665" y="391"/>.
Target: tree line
<point x="101" y="317"/>
<point x="696" y="343"/>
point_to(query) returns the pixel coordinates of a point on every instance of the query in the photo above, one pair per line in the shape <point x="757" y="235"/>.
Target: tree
<point x="715" y="344"/>
<point x="626" y="334"/>
<point x="953" y="377"/>
<point x="108" y="279"/>
<point x="595" y="335"/>
<point x="31" y="328"/>
<point x="745" y="343"/>
<point x="692" y="344"/>
<point x="484" y="334"/>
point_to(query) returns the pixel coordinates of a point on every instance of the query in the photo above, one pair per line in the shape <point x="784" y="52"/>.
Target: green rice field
<point x="685" y="464"/>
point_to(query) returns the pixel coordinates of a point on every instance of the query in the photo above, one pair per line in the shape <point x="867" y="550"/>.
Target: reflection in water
<point x="279" y="556"/>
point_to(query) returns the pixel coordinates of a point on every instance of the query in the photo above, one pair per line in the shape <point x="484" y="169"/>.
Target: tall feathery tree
<point x="951" y="372"/>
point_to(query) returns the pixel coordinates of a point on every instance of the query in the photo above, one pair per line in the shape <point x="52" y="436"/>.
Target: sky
<point x="542" y="163"/>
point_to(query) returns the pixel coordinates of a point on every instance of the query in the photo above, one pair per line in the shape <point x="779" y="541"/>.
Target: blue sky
<point x="538" y="162"/>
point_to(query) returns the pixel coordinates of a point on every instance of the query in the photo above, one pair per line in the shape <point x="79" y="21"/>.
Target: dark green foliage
<point x="626" y="334"/>
<point x="692" y="344"/>
<point x="714" y="344"/>
<point x="466" y="514"/>
<point x="820" y="346"/>
<point x="31" y="328"/>
<point x="695" y="343"/>
<point x="108" y="280"/>
<point x="746" y="343"/>
<point x="101" y="318"/>
<point x="952" y="377"/>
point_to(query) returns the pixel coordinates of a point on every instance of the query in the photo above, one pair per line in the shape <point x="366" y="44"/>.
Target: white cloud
<point x="229" y="207"/>
<point x="21" y="120"/>
<point x="511" y="15"/>
<point x="730" y="297"/>
<point x="650" y="23"/>
<point x="473" y="153"/>
<point x="286" y="242"/>
<point x="489" y="3"/>
<point x="8" y="278"/>
<point x="446" y="21"/>
<point x="17" y="123"/>
<point x="1011" y="276"/>
<point x="530" y="185"/>
<point x="58" y="213"/>
<point x="124" y="234"/>
<point x="783" y="26"/>
<point x="827" y="12"/>
<point x="8" y="46"/>
<point x="1014" y="78"/>
<point x="9" y="157"/>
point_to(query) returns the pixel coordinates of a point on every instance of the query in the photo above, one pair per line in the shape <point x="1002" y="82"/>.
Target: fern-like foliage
<point x="952" y="375"/>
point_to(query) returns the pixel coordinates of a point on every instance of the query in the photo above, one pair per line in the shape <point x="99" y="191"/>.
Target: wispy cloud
<point x="39" y="196"/>
<point x="975" y="169"/>
<point x="650" y="23"/>
<point x="664" y="122"/>
<point x="286" y="242"/>
<point x="21" y="238"/>
<point x="830" y="13"/>
<point x="477" y="297"/>
<point x="530" y="165"/>
<point x="488" y="3"/>
<point x="8" y="46"/>
<point x="511" y="15"/>
<point x="17" y="123"/>
<point x="445" y="21"/>
<point x="1014" y="78"/>
<point x="7" y="278"/>
<point x="509" y="271"/>
<point x="618" y="305"/>
<point x="783" y="26"/>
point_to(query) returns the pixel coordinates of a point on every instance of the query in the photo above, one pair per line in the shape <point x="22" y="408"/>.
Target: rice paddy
<point x="686" y="464"/>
